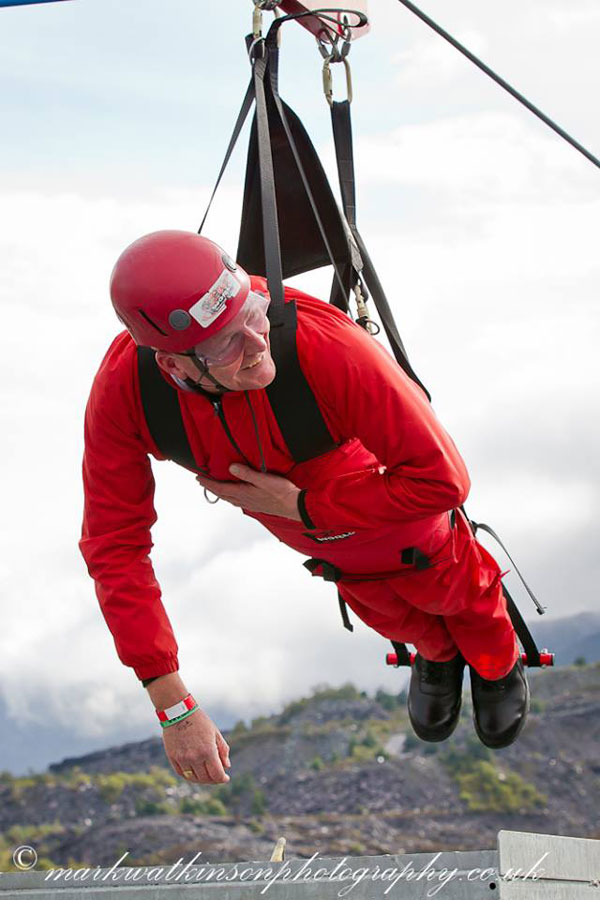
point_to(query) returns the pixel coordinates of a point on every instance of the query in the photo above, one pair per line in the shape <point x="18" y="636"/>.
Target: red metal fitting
<point x="546" y="658"/>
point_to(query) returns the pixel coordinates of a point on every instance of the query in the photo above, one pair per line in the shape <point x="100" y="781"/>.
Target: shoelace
<point x="430" y="672"/>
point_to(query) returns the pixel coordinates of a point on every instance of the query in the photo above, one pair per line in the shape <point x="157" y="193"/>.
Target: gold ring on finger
<point x="188" y="773"/>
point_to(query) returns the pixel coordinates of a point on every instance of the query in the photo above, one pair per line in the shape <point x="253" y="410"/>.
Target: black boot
<point x="435" y="697"/>
<point x="500" y="707"/>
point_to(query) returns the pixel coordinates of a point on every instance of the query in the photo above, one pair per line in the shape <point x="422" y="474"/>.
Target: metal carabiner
<point x="328" y="79"/>
<point x="257" y="18"/>
<point x="363" y="313"/>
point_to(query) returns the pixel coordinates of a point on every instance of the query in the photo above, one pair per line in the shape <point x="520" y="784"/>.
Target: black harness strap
<point x="411" y="556"/>
<point x="523" y="632"/>
<point x="243" y="115"/>
<point x="160" y="403"/>
<point x="330" y="572"/>
<point x="402" y="654"/>
<point x="342" y="133"/>
<point x="294" y="404"/>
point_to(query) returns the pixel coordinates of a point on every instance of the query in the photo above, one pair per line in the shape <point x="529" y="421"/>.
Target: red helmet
<point x="174" y="289"/>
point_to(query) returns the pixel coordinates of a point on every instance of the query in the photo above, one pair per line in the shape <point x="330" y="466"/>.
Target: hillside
<point x="338" y="772"/>
<point x="32" y="742"/>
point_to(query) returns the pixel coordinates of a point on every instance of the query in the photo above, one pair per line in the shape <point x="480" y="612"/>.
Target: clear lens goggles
<point x="225" y="346"/>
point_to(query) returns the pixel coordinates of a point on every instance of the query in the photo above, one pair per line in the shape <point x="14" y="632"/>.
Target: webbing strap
<point x="342" y="132"/>
<point x="352" y="248"/>
<point x="344" y="613"/>
<point x="243" y="115"/>
<point x="160" y="403"/>
<point x="342" y="138"/>
<point x="523" y="632"/>
<point x="402" y="654"/>
<point x="273" y="268"/>
<point x="344" y="152"/>
<point x="294" y="404"/>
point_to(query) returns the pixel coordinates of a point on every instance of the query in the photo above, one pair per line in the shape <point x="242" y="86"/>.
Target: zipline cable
<point x="503" y="84"/>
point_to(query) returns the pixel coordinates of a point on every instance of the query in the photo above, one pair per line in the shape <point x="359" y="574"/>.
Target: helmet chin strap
<point x="203" y="369"/>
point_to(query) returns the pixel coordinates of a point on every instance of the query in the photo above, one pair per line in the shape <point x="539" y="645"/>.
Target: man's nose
<point x="255" y="338"/>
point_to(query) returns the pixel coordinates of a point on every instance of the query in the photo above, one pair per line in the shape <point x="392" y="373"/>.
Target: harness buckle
<point x="412" y="556"/>
<point x="329" y="572"/>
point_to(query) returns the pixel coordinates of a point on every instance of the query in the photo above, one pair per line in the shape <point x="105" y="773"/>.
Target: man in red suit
<point x="395" y="480"/>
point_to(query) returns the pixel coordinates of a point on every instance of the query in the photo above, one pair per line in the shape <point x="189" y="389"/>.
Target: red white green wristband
<point x="177" y="712"/>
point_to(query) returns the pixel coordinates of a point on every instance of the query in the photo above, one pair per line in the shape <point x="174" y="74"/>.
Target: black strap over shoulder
<point x="298" y="415"/>
<point x="293" y="402"/>
<point x="342" y="132"/>
<point x="160" y="403"/>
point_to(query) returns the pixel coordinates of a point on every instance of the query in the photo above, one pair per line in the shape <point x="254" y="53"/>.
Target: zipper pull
<point x="216" y="404"/>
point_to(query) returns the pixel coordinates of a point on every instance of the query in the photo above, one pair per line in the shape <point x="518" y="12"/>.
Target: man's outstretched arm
<point x="116" y="543"/>
<point x="118" y="515"/>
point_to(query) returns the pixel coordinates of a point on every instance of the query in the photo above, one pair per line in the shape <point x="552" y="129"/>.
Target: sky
<point x="483" y="225"/>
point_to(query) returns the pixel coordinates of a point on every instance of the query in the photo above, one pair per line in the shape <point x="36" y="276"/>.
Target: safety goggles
<point x="227" y="345"/>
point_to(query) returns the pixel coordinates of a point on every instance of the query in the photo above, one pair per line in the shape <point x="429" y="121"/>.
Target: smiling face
<point x="252" y="369"/>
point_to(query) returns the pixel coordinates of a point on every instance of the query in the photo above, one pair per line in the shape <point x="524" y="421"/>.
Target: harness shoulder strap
<point x="293" y="402"/>
<point x="162" y="411"/>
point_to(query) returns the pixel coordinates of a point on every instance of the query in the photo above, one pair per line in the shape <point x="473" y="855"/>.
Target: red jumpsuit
<point x="388" y="486"/>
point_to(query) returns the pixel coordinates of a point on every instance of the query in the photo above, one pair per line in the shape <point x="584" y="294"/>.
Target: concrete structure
<point x="524" y="867"/>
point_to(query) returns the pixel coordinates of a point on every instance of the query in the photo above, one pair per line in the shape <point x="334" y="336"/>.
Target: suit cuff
<point x="155" y="668"/>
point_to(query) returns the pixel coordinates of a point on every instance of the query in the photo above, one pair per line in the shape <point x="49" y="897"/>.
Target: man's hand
<point x="196" y="744"/>
<point x="256" y="492"/>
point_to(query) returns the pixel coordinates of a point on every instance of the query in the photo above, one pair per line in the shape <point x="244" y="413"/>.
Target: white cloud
<point x="585" y="15"/>
<point x="483" y="155"/>
<point x="428" y="61"/>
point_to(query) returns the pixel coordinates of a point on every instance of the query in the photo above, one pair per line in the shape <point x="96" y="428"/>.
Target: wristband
<point x="178" y="711"/>
<point x="179" y="718"/>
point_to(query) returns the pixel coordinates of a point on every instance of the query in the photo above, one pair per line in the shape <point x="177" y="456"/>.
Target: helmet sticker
<point x="214" y="302"/>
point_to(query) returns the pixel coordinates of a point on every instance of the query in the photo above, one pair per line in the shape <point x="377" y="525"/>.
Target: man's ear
<point x="169" y="363"/>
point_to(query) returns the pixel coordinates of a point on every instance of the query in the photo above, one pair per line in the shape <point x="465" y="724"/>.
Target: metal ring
<point x="268" y="5"/>
<point x="212" y="502"/>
